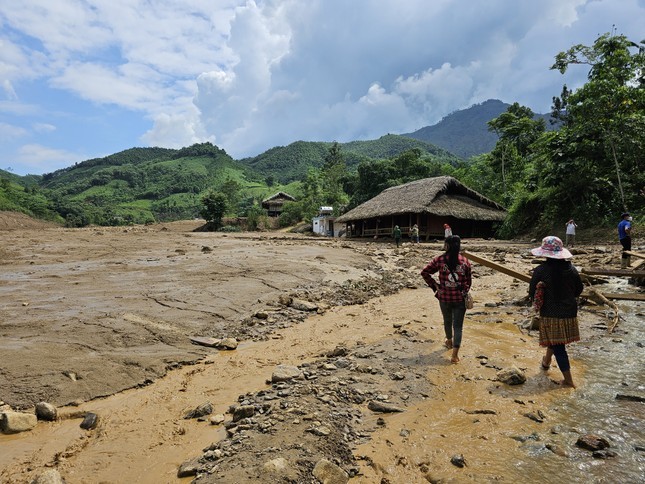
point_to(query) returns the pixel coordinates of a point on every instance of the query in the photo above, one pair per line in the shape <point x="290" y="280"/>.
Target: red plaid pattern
<point x="448" y="290"/>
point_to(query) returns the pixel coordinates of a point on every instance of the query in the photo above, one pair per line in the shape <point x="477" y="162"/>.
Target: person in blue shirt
<point x="625" y="238"/>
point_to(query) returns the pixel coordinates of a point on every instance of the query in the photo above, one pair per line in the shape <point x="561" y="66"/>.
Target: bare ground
<point x="99" y="320"/>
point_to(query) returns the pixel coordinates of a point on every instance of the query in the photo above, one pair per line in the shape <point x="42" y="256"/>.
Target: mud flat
<point x="99" y="320"/>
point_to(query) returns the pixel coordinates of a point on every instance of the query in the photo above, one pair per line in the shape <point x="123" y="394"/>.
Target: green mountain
<point x="146" y="184"/>
<point x="290" y="163"/>
<point x="465" y="132"/>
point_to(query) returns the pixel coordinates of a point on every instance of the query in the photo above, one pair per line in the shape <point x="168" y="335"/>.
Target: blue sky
<point x="81" y="79"/>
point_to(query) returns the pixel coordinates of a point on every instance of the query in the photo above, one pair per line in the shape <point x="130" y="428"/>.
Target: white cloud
<point x="9" y="132"/>
<point x="248" y="75"/>
<point x="40" y="159"/>
<point x="44" y="127"/>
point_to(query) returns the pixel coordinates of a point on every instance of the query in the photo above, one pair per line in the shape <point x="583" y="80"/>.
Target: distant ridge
<point x="465" y="132"/>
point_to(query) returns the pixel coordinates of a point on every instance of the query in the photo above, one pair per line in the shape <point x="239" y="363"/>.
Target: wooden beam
<point x="632" y="296"/>
<point x="598" y="271"/>
<point x="639" y="263"/>
<point x="497" y="267"/>
<point x="635" y="254"/>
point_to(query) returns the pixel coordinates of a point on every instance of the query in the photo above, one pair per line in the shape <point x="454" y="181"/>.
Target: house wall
<point x="326" y="226"/>
<point x="430" y="226"/>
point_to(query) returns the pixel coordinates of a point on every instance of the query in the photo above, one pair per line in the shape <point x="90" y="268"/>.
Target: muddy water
<point x="615" y="364"/>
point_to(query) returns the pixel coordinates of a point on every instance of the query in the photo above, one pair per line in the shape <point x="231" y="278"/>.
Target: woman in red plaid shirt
<point x="454" y="282"/>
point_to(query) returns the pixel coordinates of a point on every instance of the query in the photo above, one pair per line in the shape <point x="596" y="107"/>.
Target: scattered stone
<point x="227" y="344"/>
<point x="71" y="375"/>
<point x="340" y="350"/>
<point x="285" y="373"/>
<point x="217" y="419"/>
<point x="481" y="412"/>
<point x="16" y="422"/>
<point x="243" y="411"/>
<point x="205" y="341"/>
<point x="631" y="398"/>
<point x="50" y="476"/>
<point x="592" y="442"/>
<point x="302" y="305"/>
<point x="321" y="431"/>
<point x="90" y="421"/>
<point x="200" y="411"/>
<point x="604" y="454"/>
<point x="557" y="450"/>
<point x="276" y="466"/>
<point x="189" y="468"/>
<point x="376" y="406"/>
<point x="511" y="376"/>
<point x="46" y="411"/>
<point x="533" y="416"/>
<point x="329" y="473"/>
<point x="458" y="460"/>
<point x="261" y="315"/>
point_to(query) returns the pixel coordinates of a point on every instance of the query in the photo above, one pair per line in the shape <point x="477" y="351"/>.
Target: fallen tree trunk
<point x="600" y="299"/>
<point x="497" y="267"/>
<point x="597" y="271"/>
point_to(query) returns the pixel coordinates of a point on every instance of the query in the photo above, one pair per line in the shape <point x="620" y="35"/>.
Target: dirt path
<point x="95" y="312"/>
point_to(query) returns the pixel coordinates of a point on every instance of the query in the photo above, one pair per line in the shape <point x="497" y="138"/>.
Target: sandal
<point x="544" y="367"/>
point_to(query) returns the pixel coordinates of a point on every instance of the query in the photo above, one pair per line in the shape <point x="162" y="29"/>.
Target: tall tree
<point x="605" y="118"/>
<point x="334" y="171"/>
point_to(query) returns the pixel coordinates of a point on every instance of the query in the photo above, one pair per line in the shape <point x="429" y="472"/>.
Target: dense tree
<point x="604" y="120"/>
<point x="214" y="208"/>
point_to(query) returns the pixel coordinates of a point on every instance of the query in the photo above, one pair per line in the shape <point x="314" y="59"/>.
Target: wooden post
<point x="497" y="267"/>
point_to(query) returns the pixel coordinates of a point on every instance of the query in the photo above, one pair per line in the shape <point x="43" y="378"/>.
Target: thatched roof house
<point x="274" y="203"/>
<point x="430" y="203"/>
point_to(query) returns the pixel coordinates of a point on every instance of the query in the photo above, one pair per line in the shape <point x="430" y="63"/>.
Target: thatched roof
<point x="443" y="196"/>
<point x="278" y="197"/>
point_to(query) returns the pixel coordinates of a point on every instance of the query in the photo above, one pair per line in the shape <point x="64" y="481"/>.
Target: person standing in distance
<point x="554" y="288"/>
<point x="396" y="233"/>
<point x="455" y="279"/>
<point x="571" y="233"/>
<point x="625" y="239"/>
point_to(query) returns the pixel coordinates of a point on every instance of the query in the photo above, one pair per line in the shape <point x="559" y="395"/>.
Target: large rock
<point x="46" y="411"/>
<point x="243" y="411"/>
<point x="592" y="442"/>
<point x="200" y="411"/>
<point x="16" y="422"/>
<point x="285" y="373"/>
<point x="50" y="476"/>
<point x="279" y="470"/>
<point x="302" y="305"/>
<point x="511" y="376"/>
<point x="382" y="407"/>
<point x="329" y="473"/>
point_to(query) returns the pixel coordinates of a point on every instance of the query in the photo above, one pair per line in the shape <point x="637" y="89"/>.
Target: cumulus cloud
<point x="36" y="158"/>
<point x="248" y="75"/>
<point x="9" y="132"/>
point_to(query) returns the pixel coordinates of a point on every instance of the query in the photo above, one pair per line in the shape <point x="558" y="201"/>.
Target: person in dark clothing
<point x="455" y="279"/>
<point x="625" y="239"/>
<point x="554" y="287"/>
<point x="396" y="233"/>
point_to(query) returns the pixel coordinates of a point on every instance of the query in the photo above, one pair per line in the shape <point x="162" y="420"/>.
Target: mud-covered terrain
<point x="336" y="363"/>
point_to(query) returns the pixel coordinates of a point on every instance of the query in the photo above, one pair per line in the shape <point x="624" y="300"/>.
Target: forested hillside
<point x="290" y="163"/>
<point x="466" y="132"/>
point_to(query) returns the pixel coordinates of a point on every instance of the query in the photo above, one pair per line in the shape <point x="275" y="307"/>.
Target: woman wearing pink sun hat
<point x="554" y="287"/>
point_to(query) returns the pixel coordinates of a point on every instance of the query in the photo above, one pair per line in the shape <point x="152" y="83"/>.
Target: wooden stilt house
<point x="430" y="203"/>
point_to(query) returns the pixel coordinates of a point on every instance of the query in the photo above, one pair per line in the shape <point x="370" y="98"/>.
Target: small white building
<point x="323" y="224"/>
